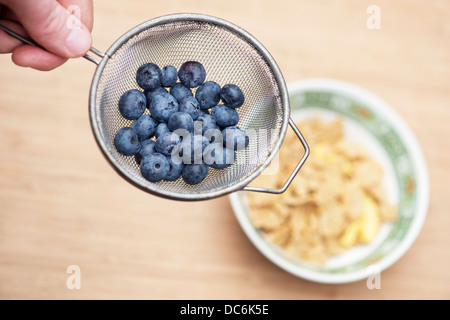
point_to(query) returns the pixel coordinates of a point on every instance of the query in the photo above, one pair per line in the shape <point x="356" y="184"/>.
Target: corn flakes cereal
<point x="338" y="201"/>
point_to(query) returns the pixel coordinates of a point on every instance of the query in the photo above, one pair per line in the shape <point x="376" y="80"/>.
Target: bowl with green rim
<point x="369" y="120"/>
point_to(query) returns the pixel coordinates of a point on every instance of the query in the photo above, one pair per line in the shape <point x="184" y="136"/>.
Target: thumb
<point x="49" y="24"/>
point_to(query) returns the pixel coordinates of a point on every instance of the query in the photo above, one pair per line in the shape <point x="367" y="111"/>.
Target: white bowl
<point x="372" y="122"/>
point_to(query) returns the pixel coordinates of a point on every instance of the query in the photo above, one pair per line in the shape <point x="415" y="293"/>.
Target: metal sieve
<point x="230" y="55"/>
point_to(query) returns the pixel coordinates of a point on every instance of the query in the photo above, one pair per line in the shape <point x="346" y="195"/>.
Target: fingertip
<point x="36" y="58"/>
<point x="78" y="42"/>
<point x="53" y="27"/>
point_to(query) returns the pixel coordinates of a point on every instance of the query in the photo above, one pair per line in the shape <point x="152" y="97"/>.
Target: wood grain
<point x="61" y="204"/>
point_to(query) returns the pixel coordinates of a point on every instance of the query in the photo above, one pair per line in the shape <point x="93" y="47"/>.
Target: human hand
<point x="48" y="23"/>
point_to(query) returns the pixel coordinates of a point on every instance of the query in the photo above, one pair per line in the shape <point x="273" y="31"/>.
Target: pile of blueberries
<point x="180" y="137"/>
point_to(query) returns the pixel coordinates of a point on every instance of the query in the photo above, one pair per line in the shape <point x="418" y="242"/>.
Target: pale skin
<point x="46" y="22"/>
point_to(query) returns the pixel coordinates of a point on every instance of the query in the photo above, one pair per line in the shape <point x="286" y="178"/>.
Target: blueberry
<point x="147" y="147"/>
<point x="218" y="157"/>
<point x="232" y="96"/>
<point x="235" y="138"/>
<point x="149" y="94"/>
<point x="180" y="91"/>
<point x="192" y="74"/>
<point x="148" y="76"/>
<point x="206" y="125"/>
<point x="207" y="122"/>
<point x="145" y="127"/>
<point x="191" y="106"/>
<point x="225" y="116"/>
<point x="154" y="167"/>
<point x="166" y="142"/>
<point x="161" y="129"/>
<point x="180" y="120"/>
<point x="169" y="76"/>
<point x="191" y="149"/>
<point x="175" y="170"/>
<point x="195" y="173"/>
<point x="127" y="142"/>
<point x="132" y="104"/>
<point x="162" y="106"/>
<point x="208" y="95"/>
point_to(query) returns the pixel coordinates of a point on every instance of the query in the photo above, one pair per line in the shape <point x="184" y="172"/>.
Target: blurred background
<point x="61" y="204"/>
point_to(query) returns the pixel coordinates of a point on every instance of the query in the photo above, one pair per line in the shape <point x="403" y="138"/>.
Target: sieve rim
<point x="95" y="118"/>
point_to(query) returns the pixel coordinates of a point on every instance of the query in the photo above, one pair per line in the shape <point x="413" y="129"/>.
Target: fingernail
<point x="78" y="42"/>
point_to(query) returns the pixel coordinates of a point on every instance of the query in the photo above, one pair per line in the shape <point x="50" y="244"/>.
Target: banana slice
<point x="370" y="220"/>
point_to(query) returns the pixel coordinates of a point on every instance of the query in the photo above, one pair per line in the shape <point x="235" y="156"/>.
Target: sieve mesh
<point x="228" y="58"/>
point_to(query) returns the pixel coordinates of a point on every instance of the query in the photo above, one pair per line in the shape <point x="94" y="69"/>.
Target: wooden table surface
<point x="61" y="204"/>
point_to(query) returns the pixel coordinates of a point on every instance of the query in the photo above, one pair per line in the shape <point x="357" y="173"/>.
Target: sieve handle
<point x="296" y="170"/>
<point x="34" y="44"/>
